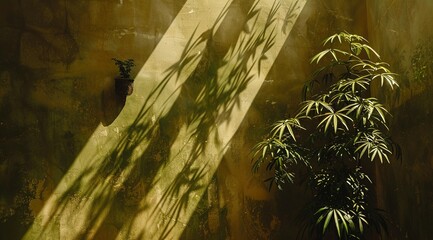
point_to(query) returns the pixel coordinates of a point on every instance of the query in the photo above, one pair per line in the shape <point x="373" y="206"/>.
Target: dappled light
<point x="214" y="89"/>
<point x="223" y="119"/>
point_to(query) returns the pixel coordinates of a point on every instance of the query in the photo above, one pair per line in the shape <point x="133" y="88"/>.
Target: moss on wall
<point x="56" y="75"/>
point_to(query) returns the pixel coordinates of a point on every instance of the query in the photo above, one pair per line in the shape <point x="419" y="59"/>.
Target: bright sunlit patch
<point x="84" y="196"/>
<point x="118" y="153"/>
<point x="167" y="208"/>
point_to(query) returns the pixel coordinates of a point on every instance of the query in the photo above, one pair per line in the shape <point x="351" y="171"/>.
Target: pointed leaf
<point x="328" y="218"/>
<point x="337" y="226"/>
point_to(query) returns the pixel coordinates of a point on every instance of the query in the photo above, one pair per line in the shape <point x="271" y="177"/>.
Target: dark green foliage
<point x="125" y="67"/>
<point x="337" y="127"/>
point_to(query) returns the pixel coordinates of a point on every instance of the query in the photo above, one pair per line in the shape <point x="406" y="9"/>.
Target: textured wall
<point x="252" y="211"/>
<point x="54" y="66"/>
<point x="401" y="31"/>
<point x="73" y="166"/>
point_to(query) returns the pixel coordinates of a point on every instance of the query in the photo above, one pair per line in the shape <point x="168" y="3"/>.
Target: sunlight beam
<point x="166" y="209"/>
<point x="84" y="196"/>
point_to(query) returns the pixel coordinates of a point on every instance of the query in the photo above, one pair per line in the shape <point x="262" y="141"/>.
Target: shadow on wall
<point x="49" y="105"/>
<point x="107" y="180"/>
<point x="209" y="96"/>
<point x="252" y="211"/>
<point x="112" y="103"/>
<point x="205" y="100"/>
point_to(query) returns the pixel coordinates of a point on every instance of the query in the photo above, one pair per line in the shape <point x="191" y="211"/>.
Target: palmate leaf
<point x="344" y="53"/>
<point x="361" y="221"/>
<point x="383" y="66"/>
<point x="266" y="150"/>
<point x="282" y="126"/>
<point x="378" y="108"/>
<point x="339" y="218"/>
<point x="332" y="38"/>
<point x="357" y="48"/>
<point x="290" y="152"/>
<point x="352" y="107"/>
<point x="328" y="219"/>
<point x="361" y="82"/>
<point x="369" y="49"/>
<point x="372" y="106"/>
<point x="321" y="54"/>
<point x="334" y="119"/>
<point x="353" y="84"/>
<point x="364" y="65"/>
<point x="281" y="178"/>
<point x="334" y="54"/>
<point x="315" y="105"/>
<point x="285" y="156"/>
<point x="387" y="77"/>
<point x="354" y="37"/>
<point x="376" y="122"/>
<point x="262" y="150"/>
<point x="347" y="37"/>
<point x="339" y="97"/>
<point x="374" y="145"/>
<point x="369" y="110"/>
<point x="279" y="155"/>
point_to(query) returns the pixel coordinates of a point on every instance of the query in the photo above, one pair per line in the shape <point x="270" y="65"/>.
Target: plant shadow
<point x="203" y="102"/>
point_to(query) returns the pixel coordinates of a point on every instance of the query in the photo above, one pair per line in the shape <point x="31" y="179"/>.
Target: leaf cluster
<point x="124" y="66"/>
<point x="337" y="127"/>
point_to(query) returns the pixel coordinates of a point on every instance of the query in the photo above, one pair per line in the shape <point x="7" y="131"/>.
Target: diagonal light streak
<point x="84" y="196"/>
<point x="180" y="184"/>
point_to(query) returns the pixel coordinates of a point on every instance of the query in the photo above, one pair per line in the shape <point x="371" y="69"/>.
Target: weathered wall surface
<point x="401" y="31"/>
<point x="55" y="64"/>
<point x="73" y="166"/>
<point x="252" y="211"/>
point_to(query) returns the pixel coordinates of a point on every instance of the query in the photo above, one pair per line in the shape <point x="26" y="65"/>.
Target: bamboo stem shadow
<point x="205" y="101"/>
<point x="212" y="95"/>
<point x="109" y="177"/>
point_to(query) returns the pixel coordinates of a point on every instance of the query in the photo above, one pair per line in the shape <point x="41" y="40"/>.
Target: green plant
<point x="337" y="128"/>
<point x="125" y="67"/>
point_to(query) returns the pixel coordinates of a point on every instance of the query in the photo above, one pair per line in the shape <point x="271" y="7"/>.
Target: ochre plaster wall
<point x="401" y="31"/>
<point x="56" y="89"/>
<point x="252" y="211"/>
<point x="55" y="64"/>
